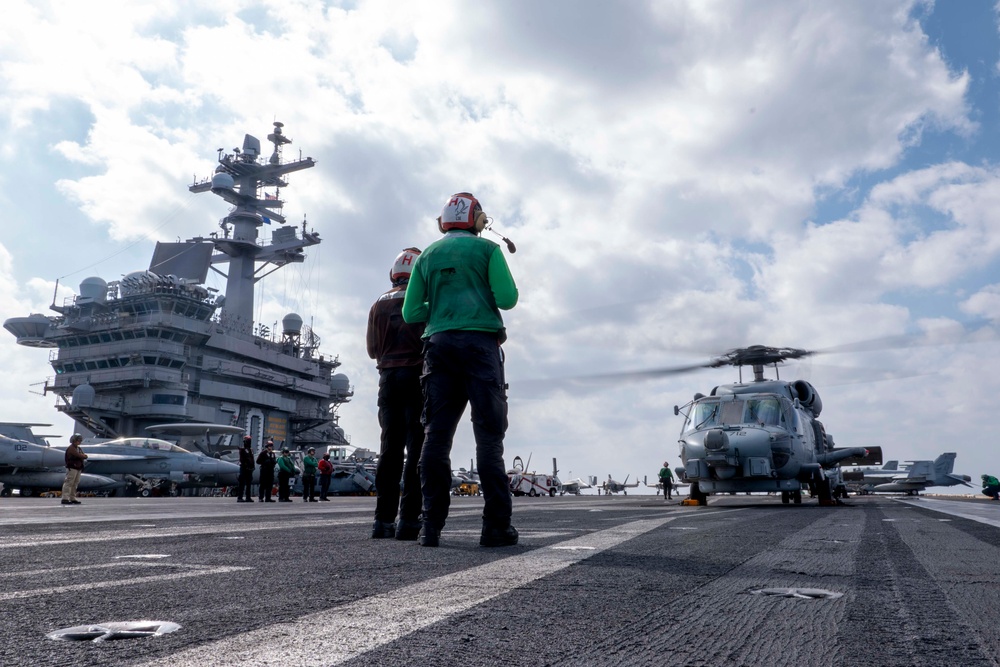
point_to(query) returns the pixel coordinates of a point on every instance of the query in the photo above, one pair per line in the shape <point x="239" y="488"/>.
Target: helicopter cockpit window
<point x="703" y="415"/>
<point x="765" y="411"/>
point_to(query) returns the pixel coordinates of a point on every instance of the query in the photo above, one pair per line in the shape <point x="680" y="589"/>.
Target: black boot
<point x="430" y="536"/>
<point x="407" y="530"/>
<point x="498" y="537"/>
<point x="382" y="530"/>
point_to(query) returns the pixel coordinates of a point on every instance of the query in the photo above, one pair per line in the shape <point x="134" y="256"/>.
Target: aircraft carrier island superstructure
<point x="159" y="346"/>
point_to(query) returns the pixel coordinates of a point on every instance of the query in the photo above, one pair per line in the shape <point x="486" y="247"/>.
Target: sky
<point x="680" y="179"/>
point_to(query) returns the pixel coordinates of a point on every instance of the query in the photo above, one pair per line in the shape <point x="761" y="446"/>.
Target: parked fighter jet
<point x="868" y="476"/>
<point x="154" y="458"/>
<point x="916" y="476"/>
<point x="210" y="439"/>
<point x="611" y="486"/>
<point x="32" y="469"/>
<point x="574" y="486"/>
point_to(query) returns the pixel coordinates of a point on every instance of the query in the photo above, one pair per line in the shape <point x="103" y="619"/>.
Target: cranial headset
<point x="462" y="211"/>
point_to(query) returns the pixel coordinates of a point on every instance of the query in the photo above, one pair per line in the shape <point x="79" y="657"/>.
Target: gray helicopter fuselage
<point x="753" y="437"/>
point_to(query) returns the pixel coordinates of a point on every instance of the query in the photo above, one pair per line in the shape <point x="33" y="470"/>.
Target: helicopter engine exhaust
<point x="808" y="396"/>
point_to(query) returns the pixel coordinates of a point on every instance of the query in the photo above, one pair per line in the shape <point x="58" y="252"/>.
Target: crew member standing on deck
<point x="74" y="468"/>
<point x="286" y="470"/>
<point x="325" y="476"/>
<point x="396" y="348"/>
<point x="309" y="466"/>
<point x="247" y="466"/>
<point x="458" y="287"/>
<point x="667" y="479"/>
<point x="266" y="460"/>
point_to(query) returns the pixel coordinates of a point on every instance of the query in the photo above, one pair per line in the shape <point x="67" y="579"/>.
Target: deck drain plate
<point x="801" y="593"/>
<point x="105" y="632"/>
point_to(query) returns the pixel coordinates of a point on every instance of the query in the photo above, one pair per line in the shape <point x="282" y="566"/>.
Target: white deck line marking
<point x="357" y="628"/>
<point x="73" y="568"/>
<point x="988" y="514"/>
<point x="145" y="534"/>
<point x="192" y="571"/>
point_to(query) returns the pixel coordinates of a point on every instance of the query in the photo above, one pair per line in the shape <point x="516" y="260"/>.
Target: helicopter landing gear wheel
<point x="532" y="493"/>
<point x="824" y="492"/>
<point x="785" y="498"/>
<point x="797" y="497"/>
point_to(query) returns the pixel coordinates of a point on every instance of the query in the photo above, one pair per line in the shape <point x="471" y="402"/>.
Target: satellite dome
<point x="291" y="324"/>
<point x="223" y="181"/>
<point x="83" y="396"/>
<point x="340" y="384"/>
<point x="94" y="289"/>
<point x="137" y="281"/>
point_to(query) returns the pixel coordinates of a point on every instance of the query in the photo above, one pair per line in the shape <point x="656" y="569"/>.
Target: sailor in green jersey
<point x="458" y="286"/>
<point x="286" y="470"/>
<point x="991" y="487"/>
<point x="667" y="480"/>
<point x="309" y="465"/>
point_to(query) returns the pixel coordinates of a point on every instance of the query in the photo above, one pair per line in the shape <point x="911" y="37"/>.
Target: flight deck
<point x="595" y="580"/>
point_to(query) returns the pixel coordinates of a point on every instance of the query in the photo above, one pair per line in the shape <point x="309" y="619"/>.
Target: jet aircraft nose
<point x="218" y="467"/>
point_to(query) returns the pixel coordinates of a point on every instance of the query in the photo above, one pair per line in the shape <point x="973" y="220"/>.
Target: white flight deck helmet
<point x="462" y="211"/>
<point x="399" y="274"/>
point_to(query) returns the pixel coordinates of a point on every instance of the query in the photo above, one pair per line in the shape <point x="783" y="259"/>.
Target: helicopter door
<point x="818" y="435"/>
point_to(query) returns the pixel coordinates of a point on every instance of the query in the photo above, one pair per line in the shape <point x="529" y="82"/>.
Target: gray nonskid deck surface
<point x="595" y="581"/>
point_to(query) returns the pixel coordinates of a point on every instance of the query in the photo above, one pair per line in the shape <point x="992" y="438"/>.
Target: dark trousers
<point x="992" y="491"/>
<point x="668" y="487"/>
<point x="308" y="487"/>
<point x="244" y="483"/>
<point x="265" y="487"/>
<point x="324" y="485"/>
<point x="283" y="490"/>
<point x="464" y="367"/>
<point x="400" y="404"/>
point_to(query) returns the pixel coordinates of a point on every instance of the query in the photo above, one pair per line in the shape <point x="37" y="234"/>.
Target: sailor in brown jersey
<point x="397" y="349"/>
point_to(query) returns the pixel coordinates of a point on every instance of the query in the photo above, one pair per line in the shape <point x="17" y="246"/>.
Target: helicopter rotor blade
<point x="648" y="373"/>
<point x="974" y="332"/>
<point x="977" y="331"/>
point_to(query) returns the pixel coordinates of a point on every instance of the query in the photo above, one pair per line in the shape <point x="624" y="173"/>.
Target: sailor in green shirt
<point x="458" y="286"/>
<point x="286" y="470"/>
<point x="991" y="487"/>
<point x="667" y="479"/>
<point x="309" y="465"/>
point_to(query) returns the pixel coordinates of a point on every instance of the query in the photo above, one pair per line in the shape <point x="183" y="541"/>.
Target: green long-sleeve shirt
<point x="309" y="465"/>
<point x="460" y="283"/>
<point x="286" y="464"/>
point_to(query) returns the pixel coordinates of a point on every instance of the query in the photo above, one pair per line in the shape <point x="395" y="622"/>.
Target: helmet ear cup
<point x="440" y="225"/>
<point x="481" y="221"/>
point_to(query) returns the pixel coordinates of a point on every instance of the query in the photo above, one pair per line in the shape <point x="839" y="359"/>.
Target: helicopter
<point x="760" y="436"/>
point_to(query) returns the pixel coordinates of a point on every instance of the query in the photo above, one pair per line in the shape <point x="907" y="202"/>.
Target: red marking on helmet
<point x="407" y="259"/>
<point x="453" y="201"/>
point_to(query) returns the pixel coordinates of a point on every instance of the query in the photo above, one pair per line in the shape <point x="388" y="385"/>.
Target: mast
<point x="239" y="179"/>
